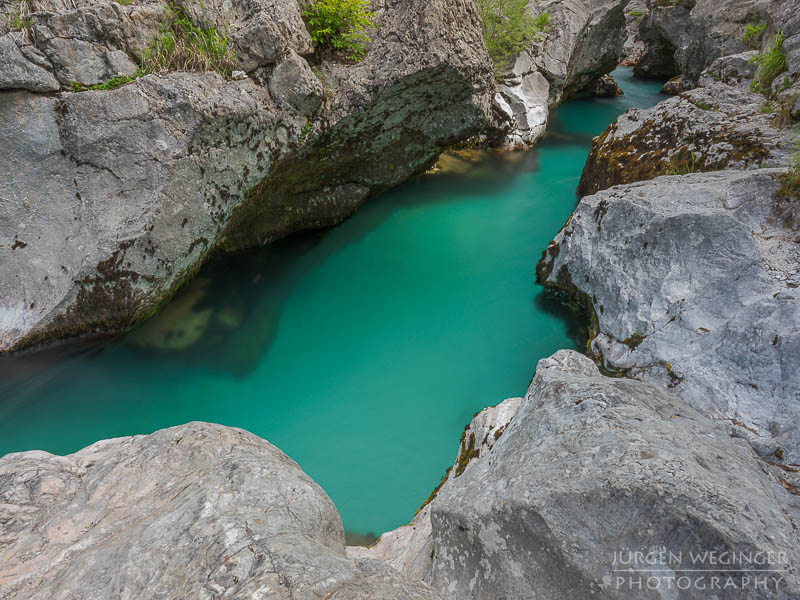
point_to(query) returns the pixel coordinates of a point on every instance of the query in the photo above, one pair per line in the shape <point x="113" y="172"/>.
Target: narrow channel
<point x="361" y="351"/>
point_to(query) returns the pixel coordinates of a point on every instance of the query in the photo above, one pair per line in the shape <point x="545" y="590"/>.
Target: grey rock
<point x="591" y="468"/>
<point x="582" y="44"/>
<point x="409" y="549"/>
<point x="687" y="37"/>
<point x="294" y="83"/>
<point x="119" y="196"/>
<point x="734" y="69"/>
<point x="693" y="283"/>
<point x="707" y="129"/>
<point x="196" y="511"/>
<point x="634" y="48"/>
<point x="18" y="72"/>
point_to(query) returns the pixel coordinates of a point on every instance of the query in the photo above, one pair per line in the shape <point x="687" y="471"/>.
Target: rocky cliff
<point x="583" y="42"/>
<point x="115" y="196"/>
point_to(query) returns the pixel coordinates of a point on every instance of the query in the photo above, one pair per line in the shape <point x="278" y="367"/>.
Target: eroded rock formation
<point x="196" y="511"/>
<point x="587" y="467"/>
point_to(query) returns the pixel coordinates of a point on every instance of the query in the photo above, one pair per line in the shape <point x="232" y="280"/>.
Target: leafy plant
<point x="340" y="25"/>
<point x="509" y="27"/>
<point x="771" y="63"/>
<point x="753" y="34"/>
<point x="182" y="45"/>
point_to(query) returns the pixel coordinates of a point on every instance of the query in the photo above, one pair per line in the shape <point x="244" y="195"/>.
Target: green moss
<point x="435" y="491"/>
<point x="468" y="452"/>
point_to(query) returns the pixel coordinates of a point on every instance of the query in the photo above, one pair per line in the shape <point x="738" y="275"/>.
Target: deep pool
<point x="362" y="351"/>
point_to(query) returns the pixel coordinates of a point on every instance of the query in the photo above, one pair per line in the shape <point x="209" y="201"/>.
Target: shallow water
<point x="362" y="351"/>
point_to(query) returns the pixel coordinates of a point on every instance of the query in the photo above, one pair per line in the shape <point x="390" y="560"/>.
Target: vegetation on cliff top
<point x="340" y="25"/>
<point x="183" y="45"/>
<point x="509" y="27"/>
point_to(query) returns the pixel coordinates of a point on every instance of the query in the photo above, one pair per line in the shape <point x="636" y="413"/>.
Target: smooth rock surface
<point x="196" y="511"/>
<point x="693" y="283"/>
<point x="589" y="468"/>
<point x="706" y="129"/>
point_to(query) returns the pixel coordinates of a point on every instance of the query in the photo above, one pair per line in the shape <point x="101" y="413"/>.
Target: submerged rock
<point x="196" y="511"/>
<point x="118" y="196"/>
<point x="693" y="283"/>
<point x="590" y="469"/>
<point x="707" y="129"/>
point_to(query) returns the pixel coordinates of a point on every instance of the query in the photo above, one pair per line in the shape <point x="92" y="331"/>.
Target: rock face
<point x="583" y="43"/>
<point x="687" y="36"/>
<point x="197" y="511"/>
<point x="707" y="129"/>
<point x="693" y="283"/>
<point x="117" y="196"/>
<point x="589" y="469"/>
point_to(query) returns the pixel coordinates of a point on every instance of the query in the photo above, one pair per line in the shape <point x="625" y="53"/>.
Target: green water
<point x="362" y="351"/>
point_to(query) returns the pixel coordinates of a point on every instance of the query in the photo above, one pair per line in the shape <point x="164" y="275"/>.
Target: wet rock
<point x="200" y="511"/>
<point x="693" y="284"/>
<point x="707" y="129"/>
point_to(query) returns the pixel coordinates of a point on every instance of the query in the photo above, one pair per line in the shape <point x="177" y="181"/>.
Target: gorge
<point x="663" y="335"/>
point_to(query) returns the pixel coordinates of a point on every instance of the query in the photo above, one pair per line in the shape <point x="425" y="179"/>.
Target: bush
<point x="753" y="34"/>
<point x="183" y="46"/>
<point x="771" y="63"/>
<point x="340" y="25"/>
<point x="508" y="28"/>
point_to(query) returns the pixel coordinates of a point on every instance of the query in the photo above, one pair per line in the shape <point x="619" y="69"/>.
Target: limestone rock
<point x="17" y="72"/>
<point x="118" y="196"/>
<point x="409" y="549"/>
<point x="589" y="469"/>
<point x="199" y="511"/>
<point x="707" y="129"/>
<point x="686" y="37"/>
<point x="582" y="44"/>
<point x="693" y="283"/>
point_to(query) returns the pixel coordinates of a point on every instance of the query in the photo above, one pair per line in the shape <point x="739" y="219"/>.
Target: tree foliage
<point x="509" y="27"/>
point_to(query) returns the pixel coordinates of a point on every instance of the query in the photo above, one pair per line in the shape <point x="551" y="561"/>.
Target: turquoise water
<point x="362" y="351"/>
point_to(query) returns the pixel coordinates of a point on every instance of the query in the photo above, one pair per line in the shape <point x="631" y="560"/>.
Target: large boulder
<point x="116" y="196"/>
<point x="706" y="129"/>
<point x="590" y="471"/>
<point x="693" y="283"/>
<point x="197" y="511"/>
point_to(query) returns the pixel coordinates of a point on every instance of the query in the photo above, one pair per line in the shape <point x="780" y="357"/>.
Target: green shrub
<point x="771" y="63"/>
<point x="340" y="25"/>
<point x="753" y="34"/>
<point x="637" y="14"/>
<point x="508" y="28"/>
<point x="181" y="45"/>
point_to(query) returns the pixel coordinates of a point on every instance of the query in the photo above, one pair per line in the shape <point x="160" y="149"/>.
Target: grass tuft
<point x="182" y="45"/>
<point x="771" y="63"/>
